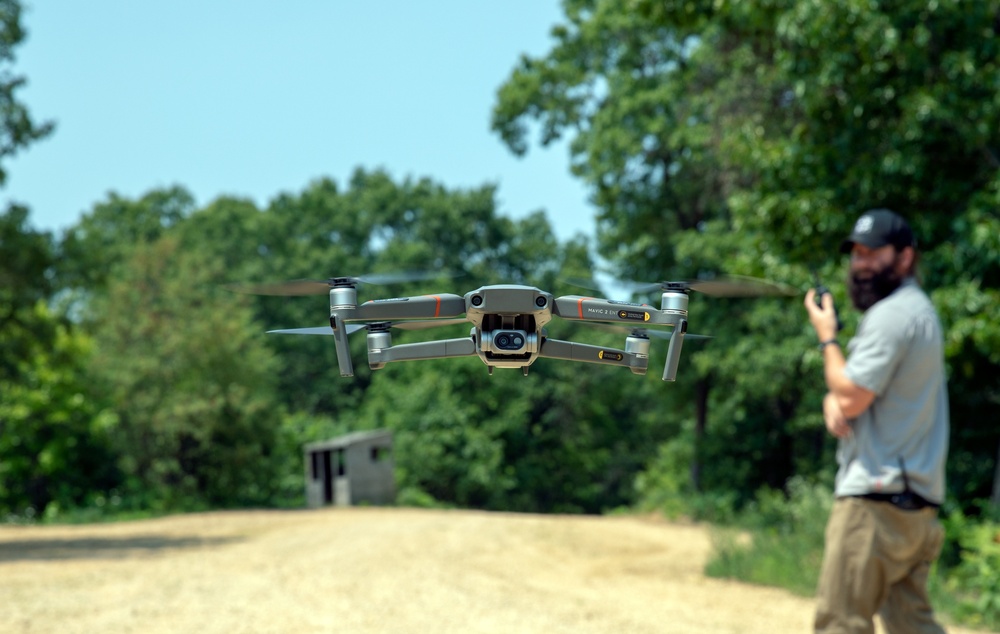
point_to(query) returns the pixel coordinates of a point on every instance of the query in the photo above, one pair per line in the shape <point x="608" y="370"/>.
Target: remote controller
<point x="822" y="290"/>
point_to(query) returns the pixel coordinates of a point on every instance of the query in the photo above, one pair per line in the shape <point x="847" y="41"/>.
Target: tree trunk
<point x="702" y="389"/>
<point x="995" y="498"/>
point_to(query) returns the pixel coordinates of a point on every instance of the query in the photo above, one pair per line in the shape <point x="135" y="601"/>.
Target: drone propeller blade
<point x="318" y="330"/>
<point x="644" y="332"/>
<point x="742" y="286"/>
<point x="404" y="276"/>
<point x="610" y="288"/>
<point x="589" y="284"/>
<point x="320" y="287"/>
<point x="723" y="286"/>
<point x="291" y="288"/>
<point x="424" y="324"/>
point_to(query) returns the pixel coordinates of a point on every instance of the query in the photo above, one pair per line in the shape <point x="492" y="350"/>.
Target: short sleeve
<point x="876" y="351"/>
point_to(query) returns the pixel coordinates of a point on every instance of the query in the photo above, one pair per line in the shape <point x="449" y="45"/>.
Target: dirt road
<point x="378" y="570"/>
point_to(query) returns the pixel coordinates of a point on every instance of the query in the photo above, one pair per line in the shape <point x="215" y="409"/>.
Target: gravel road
<point x="364" y="570"/>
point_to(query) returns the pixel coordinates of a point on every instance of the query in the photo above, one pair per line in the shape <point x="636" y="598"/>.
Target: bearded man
<point x="887" y="404"/>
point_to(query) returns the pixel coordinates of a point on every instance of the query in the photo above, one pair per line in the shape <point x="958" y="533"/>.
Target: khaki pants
<point x="877" y="559"/>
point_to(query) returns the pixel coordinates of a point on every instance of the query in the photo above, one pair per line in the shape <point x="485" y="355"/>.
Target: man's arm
<point x="850" y="397"/>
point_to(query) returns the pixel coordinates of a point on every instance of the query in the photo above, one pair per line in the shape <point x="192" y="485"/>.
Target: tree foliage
<point x="191" y="380"/>
<point x="746" y="138"/>
<point x="17" y="129"/>
<point x="51" y="442"/>
<point x="55" y="449"/>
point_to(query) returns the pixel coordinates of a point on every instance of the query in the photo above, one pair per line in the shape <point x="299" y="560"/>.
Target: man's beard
<point x="881" y="284"/>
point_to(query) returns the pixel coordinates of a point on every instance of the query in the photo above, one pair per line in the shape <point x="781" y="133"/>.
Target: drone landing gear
<point x="674" y="351"/>
<point x="524" y="370"/>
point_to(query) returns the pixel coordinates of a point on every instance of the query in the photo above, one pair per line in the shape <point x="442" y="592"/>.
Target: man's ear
<point x="905" y="261"/>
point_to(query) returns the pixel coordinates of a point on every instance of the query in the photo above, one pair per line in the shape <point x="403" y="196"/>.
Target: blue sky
<point x="255" y="98"/>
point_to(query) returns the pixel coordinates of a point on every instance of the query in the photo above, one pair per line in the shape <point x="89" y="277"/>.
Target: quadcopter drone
<point x="507" y="321"/>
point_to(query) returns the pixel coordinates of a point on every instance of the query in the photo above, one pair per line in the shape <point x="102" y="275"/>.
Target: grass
<point x="778" y="541"/>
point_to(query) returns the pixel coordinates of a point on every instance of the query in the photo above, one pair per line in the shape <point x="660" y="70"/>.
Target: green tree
<point x="17" y="129"/>
<point x="106" y="235"/>
<point x="25" y="259"/>
<point x="51" y="444"/>
<point x="746" y="137"/>
<point x="54" y="445"/>
<point x="191" y="382"/>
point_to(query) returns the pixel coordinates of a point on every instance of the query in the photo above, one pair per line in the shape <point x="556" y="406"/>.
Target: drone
<point x="508" y="321"/>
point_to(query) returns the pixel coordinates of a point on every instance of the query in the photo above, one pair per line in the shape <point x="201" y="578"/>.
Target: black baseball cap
<point x="877" y="228"/>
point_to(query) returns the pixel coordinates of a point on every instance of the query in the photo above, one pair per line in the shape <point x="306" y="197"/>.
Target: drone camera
<point x="512" y="341"/>
<point x="509" y="342"/>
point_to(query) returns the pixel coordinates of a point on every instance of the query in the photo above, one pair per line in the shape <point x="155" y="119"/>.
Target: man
<point x="887" y="403"/>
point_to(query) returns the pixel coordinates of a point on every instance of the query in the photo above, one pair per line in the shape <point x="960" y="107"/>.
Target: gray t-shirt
<point x="897" y="353"/>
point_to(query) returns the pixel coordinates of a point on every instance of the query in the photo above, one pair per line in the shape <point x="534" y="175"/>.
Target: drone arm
<point x="572" y="351"/>
<point x="579" y="308"/>
<point x="445" y="348"/>
<point x="419" y="307"/>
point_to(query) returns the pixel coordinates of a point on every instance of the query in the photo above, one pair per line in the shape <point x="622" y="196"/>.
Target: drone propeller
<point x="645" y="332"/>
<point x="589" y="284"/>
<point x="318" y="330"/>
<point x="320" y="287"/>
<point x="727" y="286"/>
<point x="421" y="324"/>
<point x="722" y="286"/>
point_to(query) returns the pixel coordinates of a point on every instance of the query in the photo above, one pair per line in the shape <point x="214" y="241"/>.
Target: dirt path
<point x="378" y="570"/>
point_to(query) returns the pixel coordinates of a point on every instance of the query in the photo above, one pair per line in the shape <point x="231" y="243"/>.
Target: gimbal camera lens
<point x="509" y="340"/>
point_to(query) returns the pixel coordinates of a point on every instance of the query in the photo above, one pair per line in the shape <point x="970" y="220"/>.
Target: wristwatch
<point x="823" y="344"/>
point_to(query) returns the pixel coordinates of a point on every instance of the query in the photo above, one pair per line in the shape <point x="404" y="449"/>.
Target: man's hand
<point x="851" y="399"/>
<point x="823" y="319"/>
<point x="836" y="422"/>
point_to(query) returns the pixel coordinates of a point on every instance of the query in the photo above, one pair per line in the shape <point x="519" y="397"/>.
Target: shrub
<point x="974" y="582"/>
<point x="778" y="539"/>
